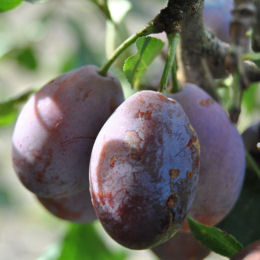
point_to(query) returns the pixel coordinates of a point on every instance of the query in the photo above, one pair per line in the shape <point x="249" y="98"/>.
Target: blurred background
<point x="38" y="43"/>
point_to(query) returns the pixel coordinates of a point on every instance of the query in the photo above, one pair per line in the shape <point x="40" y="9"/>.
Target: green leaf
<point x="6" y="5"/>
<point x="134" y="67"/>
<point x="243" y="221"/>
<point x="9" y="109"/>
<point x="24" y="56"/>
<point x="83" y="242"/>
<point x="253" y="56"/>
<point x="215" y="239"/>
<point x="249" y="99"/>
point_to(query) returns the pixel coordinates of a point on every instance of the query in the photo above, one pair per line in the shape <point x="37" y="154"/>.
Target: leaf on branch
<point x="9" y="109"/>
<point x="6" y="5"/>
<point x="215" y="239"/>
<point x="135" y="66"/>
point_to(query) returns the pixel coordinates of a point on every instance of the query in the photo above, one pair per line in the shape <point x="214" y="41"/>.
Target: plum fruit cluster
<point x="54" y="135"/>
<point x="147" y="162"/>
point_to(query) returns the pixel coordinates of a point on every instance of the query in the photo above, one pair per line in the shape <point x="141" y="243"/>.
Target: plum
<point x="222" y="164"/>
<point x="183" y="246"/>
<point x="250" y="252"/>
<point x="76" y="208"/>
<point x="144" y="170"/>
<point x="56" y="129"/>
<point x="217" y="17"/>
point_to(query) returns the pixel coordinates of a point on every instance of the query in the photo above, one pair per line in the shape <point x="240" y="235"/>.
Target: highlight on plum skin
<point x="56" y="129"/>
<point x="144" y="170"/>
<point x="222" y="164"/>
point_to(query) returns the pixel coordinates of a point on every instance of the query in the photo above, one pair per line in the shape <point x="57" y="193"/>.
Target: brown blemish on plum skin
<point x="206" y="102"/>
<point x="189" y="174"/>
<point x="163" y="98"/>
<point x="147" y="115"/>
<point x="113" y="161"/>
<point x="192" y="140"/>
<point x="174" y="173"/>
<point x="171" y="201"/>
<point x="86" y="94"/>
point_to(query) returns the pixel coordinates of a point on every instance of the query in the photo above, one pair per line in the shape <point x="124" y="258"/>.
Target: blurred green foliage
<point x="6" y="5"/>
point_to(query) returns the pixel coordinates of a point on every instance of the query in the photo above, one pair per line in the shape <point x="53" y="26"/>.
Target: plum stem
<point x="129" y="41"/>
<point x="175" y="83"/>
<point x="173" y="39"/>
<point x="250" y="160"/>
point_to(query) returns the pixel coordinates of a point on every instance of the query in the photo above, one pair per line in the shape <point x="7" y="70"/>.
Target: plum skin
<point x="75" y="208"/>
<point x="183" y="246"/>
<point x="250" y="252"/>
<point x="144" y="170"/>
<point x="56" y="129"/>
<point x="222" y="164"/>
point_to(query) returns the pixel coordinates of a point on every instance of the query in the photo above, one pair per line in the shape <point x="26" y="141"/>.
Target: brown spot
<point x="136" y="156"/>
<point x="192" y="140"/>
<point x="147" y="115"/>
<point x="141" y="99"/>
<point x="163" y="98"/>
<point x="174" y="173"/>
<point x="195" y="163"/>
<point x="113" y="161"/>
<point x="171" y="201"/>
<point x="86" y="94"/>
<point x="189" y="174"/>
<point x="206" y="102"/>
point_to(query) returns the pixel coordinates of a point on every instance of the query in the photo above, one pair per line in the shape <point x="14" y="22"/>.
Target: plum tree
<point x="222" y="165"/>
<point x="182" y="246"/>
<point x="75" y="208"/>
<point x="143" y="170"/>
<point x="56" y="129"/>
<point x="250" y="252"/>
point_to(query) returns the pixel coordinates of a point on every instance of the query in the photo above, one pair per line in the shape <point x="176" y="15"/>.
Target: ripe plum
<point x="56" y="129"/>
<point x="144" y="170"/>
<point x="222" y="164"/>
